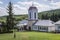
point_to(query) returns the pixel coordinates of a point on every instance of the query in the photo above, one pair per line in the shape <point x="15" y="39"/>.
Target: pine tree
<point x="10" y="18"/>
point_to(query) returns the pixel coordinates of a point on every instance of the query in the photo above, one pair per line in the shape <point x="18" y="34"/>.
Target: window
<point x="35" y="15"/>
<point x="35" y="27"/>
<point x="30" y="15"/>
<point x="59" y="27"/>
<point x="44" y="28"/>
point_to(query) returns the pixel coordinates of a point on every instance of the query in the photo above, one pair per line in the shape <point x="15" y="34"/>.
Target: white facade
<point x="32" y="13"/>
<point x="44" y="25"/>
<point x="57" y="26"/>
<point x="51" y="29"/>
<point x="43" y="28"/>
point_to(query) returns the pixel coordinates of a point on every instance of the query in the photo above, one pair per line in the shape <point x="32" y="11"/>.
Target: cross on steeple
<point x="32" y="4"/>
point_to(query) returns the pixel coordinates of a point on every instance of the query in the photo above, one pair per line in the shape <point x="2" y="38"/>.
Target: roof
<point x="44" y="23"/>
<point x="32" y="7"/>
<point x="23" y="22"/>
<point x="38" y="23"/>
<point x="58" y="22"/>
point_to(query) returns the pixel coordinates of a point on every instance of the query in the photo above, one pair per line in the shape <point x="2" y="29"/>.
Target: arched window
<point x="35" y="15"/>
<point x="30" y="15"/>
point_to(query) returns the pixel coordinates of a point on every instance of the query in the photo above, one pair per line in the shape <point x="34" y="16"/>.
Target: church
<point x="35" y="24"/>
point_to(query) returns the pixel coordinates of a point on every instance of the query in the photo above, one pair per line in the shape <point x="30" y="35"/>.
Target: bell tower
<point x="32" y="13"/>
<point x="32" y="16"/>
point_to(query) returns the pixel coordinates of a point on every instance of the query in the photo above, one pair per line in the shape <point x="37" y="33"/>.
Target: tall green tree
<point x="54" y="17"/>
<point x="10" y="18"/>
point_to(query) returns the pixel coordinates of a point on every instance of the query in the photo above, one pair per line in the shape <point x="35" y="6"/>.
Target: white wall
<point x="57" y="27"/>
<point x="51" y="29"/>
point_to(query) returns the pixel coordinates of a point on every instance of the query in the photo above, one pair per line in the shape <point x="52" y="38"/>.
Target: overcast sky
<point x="21" y="6"/>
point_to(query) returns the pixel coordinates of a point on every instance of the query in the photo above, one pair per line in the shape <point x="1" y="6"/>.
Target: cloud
<point x="3" y="11"/>
<point x="41" y="7"/>
<point x="49" y="0"/>
<point x="25" y="3"/>
<point x="21" y="7"/>
<point x="17" y="6"/>
<point x="56" y="5"/>
<point x="1" y="2"/>
<point x="45" y="0"/>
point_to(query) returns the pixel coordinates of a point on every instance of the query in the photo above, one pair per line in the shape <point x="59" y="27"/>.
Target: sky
<point x="22" y="6"/>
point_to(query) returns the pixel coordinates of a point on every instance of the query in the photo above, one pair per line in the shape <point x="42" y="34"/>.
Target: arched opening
<point x="35" y="15"/>
<point x="30" y="15"/>
<point x="29" y="28"/>
<point x="25" y="27"/>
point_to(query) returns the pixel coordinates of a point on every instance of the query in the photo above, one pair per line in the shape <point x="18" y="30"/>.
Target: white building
<point x="57" y="26"/>
<point x="33" y="23"/>
<point x="44" y="25"/>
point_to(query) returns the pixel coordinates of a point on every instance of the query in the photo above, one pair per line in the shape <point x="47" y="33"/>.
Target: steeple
<point x="32" y="16"/>
<point x="33" y="13"/>
<point x="32" y="4"/>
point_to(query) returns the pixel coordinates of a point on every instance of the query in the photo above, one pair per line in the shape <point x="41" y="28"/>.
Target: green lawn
<point x="30" y="36"/>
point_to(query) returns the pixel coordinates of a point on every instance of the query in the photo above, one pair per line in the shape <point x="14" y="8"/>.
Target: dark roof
<point x="32" y="7"/>
<point x="58" y="22"/>
<point x="23" y="22"/>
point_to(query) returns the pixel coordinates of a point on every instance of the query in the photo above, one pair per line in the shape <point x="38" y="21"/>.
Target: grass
<point x="30" y="36"/>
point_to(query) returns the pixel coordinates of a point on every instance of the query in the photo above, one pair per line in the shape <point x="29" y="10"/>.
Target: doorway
<point x="29" y="28"/>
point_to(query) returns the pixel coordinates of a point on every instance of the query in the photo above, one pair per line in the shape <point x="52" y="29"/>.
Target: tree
<point x="10" y="19"/>
<point x="3" y="27"/>
<point x="42" y="16"/>
<point x="54" y="17"/>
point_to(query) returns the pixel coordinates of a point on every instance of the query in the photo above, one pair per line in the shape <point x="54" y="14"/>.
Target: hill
<point x="52" y="14"/>
<point x="17" y="17"/>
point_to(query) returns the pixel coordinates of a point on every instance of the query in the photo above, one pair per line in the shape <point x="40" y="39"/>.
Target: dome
<point x="32" y="7"/>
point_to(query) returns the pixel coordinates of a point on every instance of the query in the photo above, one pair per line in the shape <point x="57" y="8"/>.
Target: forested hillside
<point x="17" y="18"/>
<point x="54" y="15"/>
